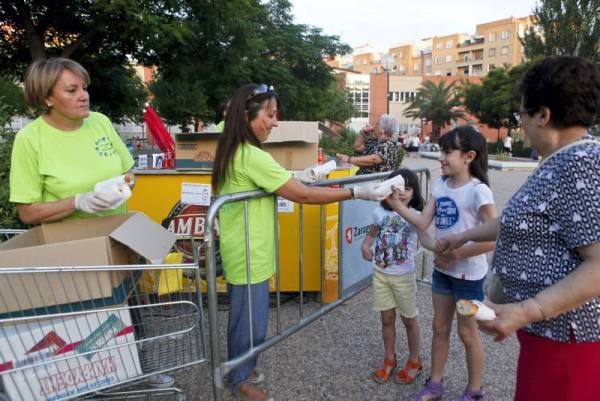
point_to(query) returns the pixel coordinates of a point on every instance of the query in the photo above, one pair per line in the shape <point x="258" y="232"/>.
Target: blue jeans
<point x="238" y="328"/>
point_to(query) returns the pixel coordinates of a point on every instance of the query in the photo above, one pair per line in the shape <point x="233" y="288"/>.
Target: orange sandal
<point x="382" y="374"/>
<point x="404" y="375"/>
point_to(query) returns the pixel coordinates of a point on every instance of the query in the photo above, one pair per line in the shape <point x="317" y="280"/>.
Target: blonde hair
<point x="42" y="76"/>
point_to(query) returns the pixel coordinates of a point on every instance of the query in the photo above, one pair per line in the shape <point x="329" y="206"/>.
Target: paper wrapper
<point x="323" y="169"/>
<point x="475" y="308"/>
<point x="385" y="188"/>
<point x="115" y="190"/>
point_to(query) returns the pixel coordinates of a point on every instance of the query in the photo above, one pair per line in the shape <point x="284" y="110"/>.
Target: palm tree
<point x="436" y="103"/>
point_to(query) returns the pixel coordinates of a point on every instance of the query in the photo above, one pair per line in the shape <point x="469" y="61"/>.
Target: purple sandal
<point x="470" y="395"/>
<point x="430" y="390"/>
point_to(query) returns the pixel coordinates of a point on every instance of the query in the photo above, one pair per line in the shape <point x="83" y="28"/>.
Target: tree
<point x="496" y="99"/>
<point x="11" y="98"/>
<point x="203" y="48"/>
<point x="568" y="28"/>
<point x="436" y="103"/>
<point x="104" y="36"/>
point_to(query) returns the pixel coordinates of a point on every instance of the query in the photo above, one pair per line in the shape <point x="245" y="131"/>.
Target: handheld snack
<point x="475" y="308"/>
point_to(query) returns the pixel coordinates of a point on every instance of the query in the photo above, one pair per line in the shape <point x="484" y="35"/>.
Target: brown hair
<point x="42" y="76"/>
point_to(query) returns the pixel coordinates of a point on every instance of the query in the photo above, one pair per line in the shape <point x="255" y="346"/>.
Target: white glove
<point x="91" y="202"/>
<point x="115" y="190"/>
<point x="371" y="192"/>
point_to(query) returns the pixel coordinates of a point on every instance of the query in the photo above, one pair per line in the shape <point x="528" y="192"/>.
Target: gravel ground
<point x="333" y="358"/>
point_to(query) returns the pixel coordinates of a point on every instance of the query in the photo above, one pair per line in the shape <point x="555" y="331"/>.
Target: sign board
<point x="195" y="194"/>
<point x="355" y="219"/>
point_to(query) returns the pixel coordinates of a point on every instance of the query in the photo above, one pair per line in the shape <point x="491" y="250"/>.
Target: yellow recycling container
<point x="158" y="194"/>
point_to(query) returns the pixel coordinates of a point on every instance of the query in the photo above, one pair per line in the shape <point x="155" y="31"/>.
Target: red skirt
<point x="553" y="371"/>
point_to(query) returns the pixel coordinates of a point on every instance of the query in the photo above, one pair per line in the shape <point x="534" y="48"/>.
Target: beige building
<point x="402" y="90"/>
<point x="444" y="53"/>
<point x="501" y="44"/>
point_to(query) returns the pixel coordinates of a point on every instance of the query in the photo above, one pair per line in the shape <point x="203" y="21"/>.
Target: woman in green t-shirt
<point x="59" y="157"/>
<point x="241" y="165"/>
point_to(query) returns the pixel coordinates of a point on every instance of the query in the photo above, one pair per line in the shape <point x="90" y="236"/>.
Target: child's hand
<point x="367" y="253"/>
<point x="445" y="260"/>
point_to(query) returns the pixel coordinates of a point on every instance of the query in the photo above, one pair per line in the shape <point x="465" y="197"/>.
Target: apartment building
<point x="366" y="61"/>
<point x="444" y="53"/>
<point x="501" y="42"/>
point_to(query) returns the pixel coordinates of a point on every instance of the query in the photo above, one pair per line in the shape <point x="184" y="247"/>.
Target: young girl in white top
<point x="460" y="200"/>
<point x="391" y="244"/>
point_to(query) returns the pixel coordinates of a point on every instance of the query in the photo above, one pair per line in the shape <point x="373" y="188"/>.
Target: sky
<point x="382" y="23"/>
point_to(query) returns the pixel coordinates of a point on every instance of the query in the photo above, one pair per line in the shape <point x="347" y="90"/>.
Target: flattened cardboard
<point x="112" y="240"/>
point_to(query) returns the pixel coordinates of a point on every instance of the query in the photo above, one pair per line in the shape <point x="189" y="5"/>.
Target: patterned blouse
<point x="389" y="151"/>
<point x="370" y="148"/>
<point x="556" y="211"/>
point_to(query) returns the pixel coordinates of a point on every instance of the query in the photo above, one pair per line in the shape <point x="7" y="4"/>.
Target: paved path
<point x="333" y="358"/>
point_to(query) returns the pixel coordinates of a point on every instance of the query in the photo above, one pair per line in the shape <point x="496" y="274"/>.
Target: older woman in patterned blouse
<point x="386" y="156"/>
<point x="548" y="246"/>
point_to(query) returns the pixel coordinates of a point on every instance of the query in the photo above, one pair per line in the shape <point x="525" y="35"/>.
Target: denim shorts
<point x="445" y="284"/>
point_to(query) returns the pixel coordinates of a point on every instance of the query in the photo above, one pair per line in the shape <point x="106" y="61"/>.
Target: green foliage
<point x="173" y="101"/>
<point x="8" y="213"/>
<point x="436" y="103"/>
<point x="203" y="50"/>
<point x="496" y="99"/>
<point x="11" y="97"/>
<point x="568" y="28"/>
<point x="341" y="144"/>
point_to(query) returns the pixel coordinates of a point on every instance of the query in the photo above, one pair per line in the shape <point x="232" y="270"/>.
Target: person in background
<point x="388" y="153"/>
<point x="221" y="115"/>
<point x="507" y="143"/>
<point x="548" y="249"/>
<point x="366" y="144"/>
<point x="242" y="165"/>
<point x="58" y="158"/>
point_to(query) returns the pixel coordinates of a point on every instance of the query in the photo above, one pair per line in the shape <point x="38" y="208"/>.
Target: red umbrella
<point x="160" y="134"/>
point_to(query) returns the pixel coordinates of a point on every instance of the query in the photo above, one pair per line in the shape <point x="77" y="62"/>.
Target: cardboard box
<point x="195" y="151"/>
<point x="293" y="144"/>
<point x="111" y="240"/>
<point x="65" y="356"/>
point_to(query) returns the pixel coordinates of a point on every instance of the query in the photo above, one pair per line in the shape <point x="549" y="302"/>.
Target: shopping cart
<point x="62" y="336"/>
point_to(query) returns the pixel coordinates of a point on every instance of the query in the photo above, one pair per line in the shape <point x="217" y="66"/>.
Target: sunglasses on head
<point x="259" y="90"/>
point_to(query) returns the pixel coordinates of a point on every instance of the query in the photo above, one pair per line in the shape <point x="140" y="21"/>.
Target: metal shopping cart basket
<point x="60" y="340"/>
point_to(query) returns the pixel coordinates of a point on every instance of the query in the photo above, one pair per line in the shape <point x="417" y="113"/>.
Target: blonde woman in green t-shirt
<point x="241" y="165"/>
<point x="59" y="157"/>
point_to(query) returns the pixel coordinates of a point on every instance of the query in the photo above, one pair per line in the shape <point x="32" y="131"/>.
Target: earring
<point x="49" y="105"/>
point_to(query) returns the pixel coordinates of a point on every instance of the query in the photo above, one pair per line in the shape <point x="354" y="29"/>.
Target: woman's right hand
<point x="449" y="243"/>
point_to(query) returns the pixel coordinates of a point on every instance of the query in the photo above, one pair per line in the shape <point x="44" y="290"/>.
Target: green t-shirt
<point x="252" y="169"/>
<point x="49" y="164"/>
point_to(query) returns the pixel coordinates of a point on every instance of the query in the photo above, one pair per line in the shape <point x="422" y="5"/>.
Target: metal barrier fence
<point x="221" y="368"/>
<point x="63" y="335"/>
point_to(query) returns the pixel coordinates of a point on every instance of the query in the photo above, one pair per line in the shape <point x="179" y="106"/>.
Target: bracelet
<point x="352" y="193"/>
<point x="537" y="304"/>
